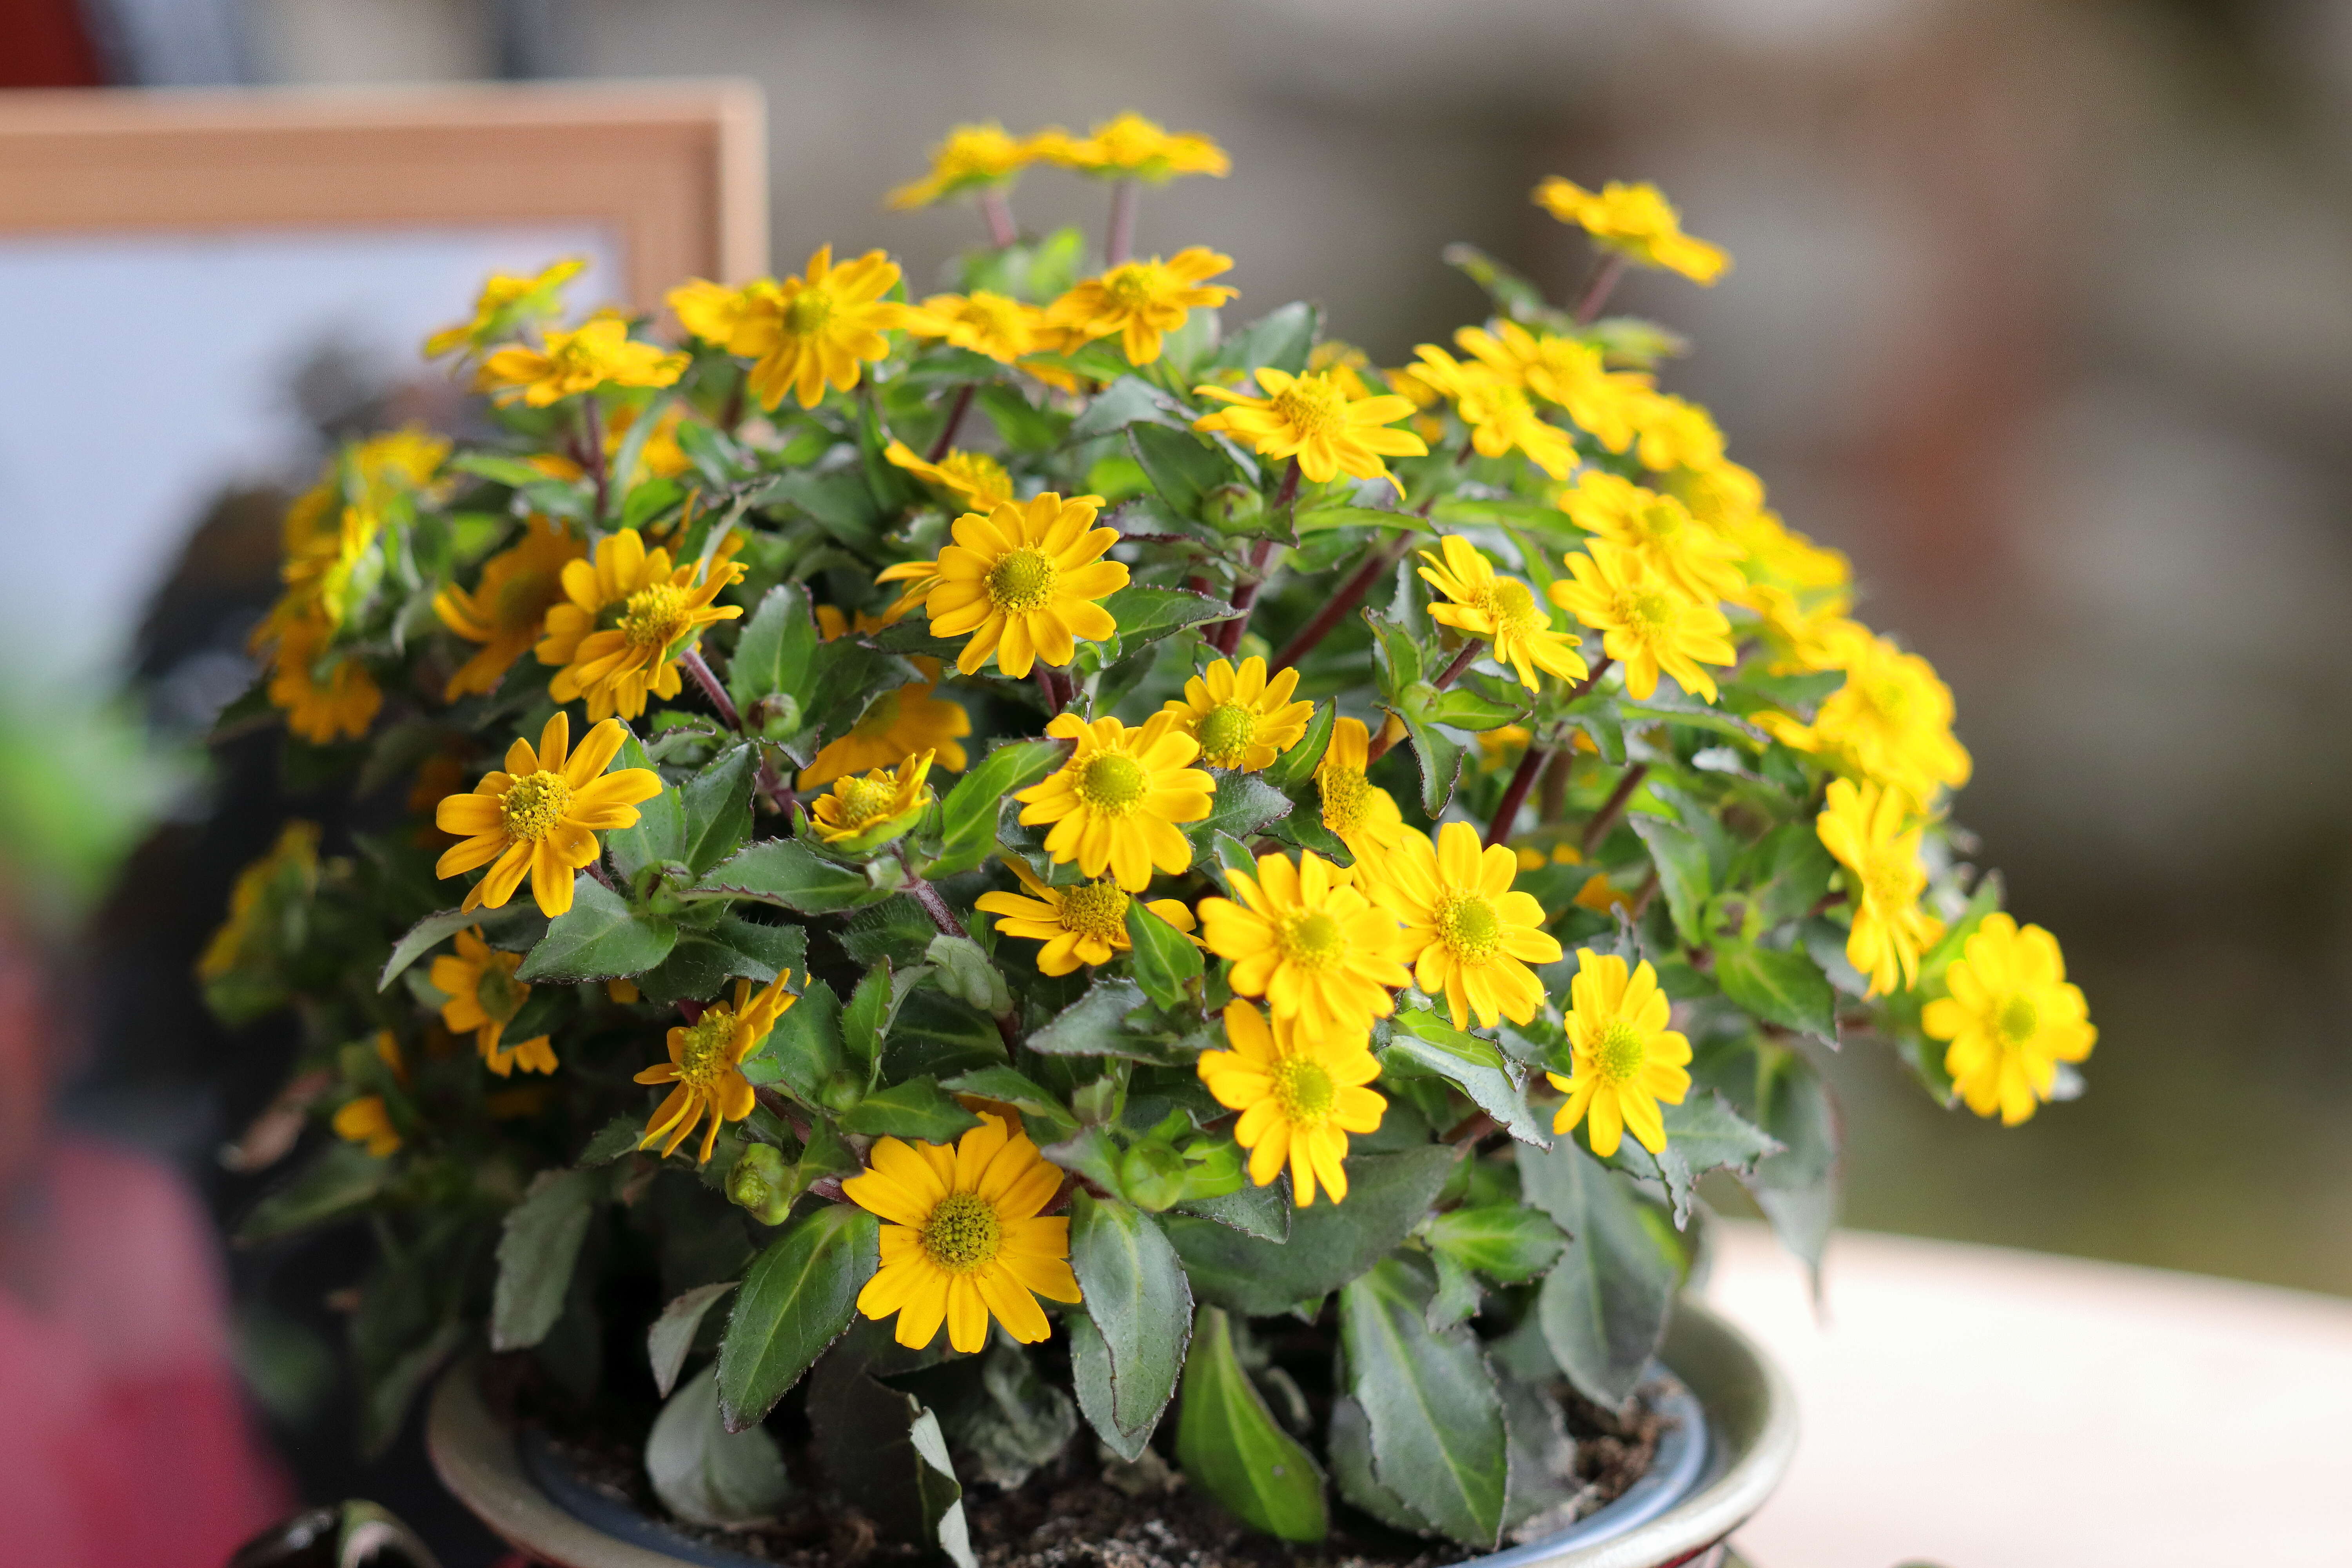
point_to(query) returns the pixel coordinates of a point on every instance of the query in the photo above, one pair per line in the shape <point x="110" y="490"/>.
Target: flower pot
<point x="1708" y="1478"/>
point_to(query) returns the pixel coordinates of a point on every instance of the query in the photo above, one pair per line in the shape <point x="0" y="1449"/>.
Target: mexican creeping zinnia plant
<point x="1084" y="845"/>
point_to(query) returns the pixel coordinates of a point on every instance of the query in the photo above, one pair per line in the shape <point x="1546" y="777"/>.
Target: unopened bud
<point x="761" y="1183"/>
<point x="777" y="715"/>
<point x="1233" y="509"/>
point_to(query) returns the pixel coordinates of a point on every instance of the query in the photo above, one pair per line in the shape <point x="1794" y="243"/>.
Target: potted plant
<point x="1018" y="913"/>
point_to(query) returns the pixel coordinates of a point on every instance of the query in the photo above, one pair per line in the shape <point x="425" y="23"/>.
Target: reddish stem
<point x="1515" y="795"/>
<point x="1598" y="829"/>
<point x="1228" y="635"/>
<point x="1122" y="243"/>
<point x="1462" y="661"/>
<point x="998" y="214"/>
<point x="1382" y="558"/>
<point x="592" y="418"/>
<point x="946" y="443"/>
<point x="692" y="663"/>
<point x="1596" y="292"/>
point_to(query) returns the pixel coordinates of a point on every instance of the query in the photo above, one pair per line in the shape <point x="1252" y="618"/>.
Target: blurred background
<point x="2042" y="313"/>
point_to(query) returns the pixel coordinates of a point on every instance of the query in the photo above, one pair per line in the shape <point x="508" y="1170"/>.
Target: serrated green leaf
<point x="777" y="646"/>
<point x="1090" y="1026"/>
<point x="804" y="1050"/>
<point x="338" y="1180"/>
<point x="1603" y="1306"/>
<point x="436" y="929"/>
<point x="1182" y="467"/>
<point x="538" y="1246"/>
<point x="1230" y="1446"/>
<point x="1329" y="1244"/>
<point x="1464" y="709"/>
<point x="700" y="966"/>
<point x="659" y="834"/>
<point x="799" y="1297"/>
<point x="1244" y="803"/>
<point x="1297" y="765"/>
<point x="599" y="938"/>
<point x="706" y="1474"/>
<point x="1163" y="961"/>
<point x="1137" y="1298"/>
<point x="1702" y="1134"/>
<point x="717" y="806"/>
<point x="865" y="1020"/>
<point x="1282" y="338"/>
<point x="1441" y="764"/>
<point x="968" y="813"/>
<point x="1438" y="1437"/>
<point x="1477" y="1066"/>
<point x="671" y="1338"/>
<point x="1146" y="614"/>
<point x="1683" y="872"/>
<point x="1261" y="1212"/>
<point x="1507" y="1242"/>
<point x="1783" y="987"/>
<point x="787" y="873"/>
<point x="918" y="1108"/>
<point x="1323" y="519"/>
<point x="1046" y="1120"/>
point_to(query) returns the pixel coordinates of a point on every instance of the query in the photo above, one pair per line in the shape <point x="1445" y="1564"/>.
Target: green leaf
<point x="717" y="805"/>
<point x="1164" y="959"/>
<point x="617" y="1137"/>
<point x="1683" y="874"/>
<point x="1244" y="803"/>
<point x="1350" y="1446"/>
<point x="1789" y="872"/>
<point x="1138" y="1298"/>
<point x="599" y="938"/>
<point x="865" y="1019"/>
<point x="537" y="1249"/>
<point x="661" y="834"/>
<point x="962" y="969"/>
<point x="1230" y="1446"/>
<point x="1603" y="1306"/>
<point x="1438" y="1439"/>
<point x="1798" y="1188"/>
<point x="941" y="1494"/>
<point x="339" y="1179"/>
<point x="1090" y="1026"/>
<point x="1281" y="338"/>
<point x="840" y="502"/>
<point x="1702" y="1134"/>
<point x="671" y="1338"/>
<point x="968" y="815"/>
<point x="1021" y="424"/>
<point x="1261" y="1212"/>
<point x="1121" y="404"/>
<point x="1182" y="467"/>
<point x="1691" y="714"/>
<point x="1322" y="519"/>
<point x="1441" y="763"/>
<point x="798" y="1298"/>
<point x="1477" y="1066"/>
<point x="1400" y="655"/>
<point x="1146" y="614"/>
<point x="1329" y="1244"/>
<point x="708" y="1473"/>
<point x="918" y="1108"/>
<point x="1015" y="1422"/>
<point x="1507" y="1243"/>
<point x="804" y="1050"/>
<point x="436" y="929"/>
<point x="936" y="1034"/>
<point x="700" y="966"/>
<point x="786" y="872"/>
<point x="1090" y="1379"/>
<point x="1297" y="765"/>
<point x="1464" y="709"/>
<point x="1786" y="988"/>
<point x="1045" y="1118"/>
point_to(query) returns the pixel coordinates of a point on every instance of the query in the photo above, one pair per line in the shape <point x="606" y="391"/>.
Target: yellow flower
<point x="1890" y="723"/>
<point x="974" y="477"/>
<point x="1564" y="372"/>
<point x="1676" y="434"/>
<point x="859" y="805"/>
<point x="894" y="727"/>
<point x="1133" y="147"/>
<point x="1635" y="222"/>
<point x="1313" y="418"/>
<point x="1646" y="624"/>
<point x="707" y="311"/>
<point x="1347" y="365"/>
<point x="921" y="577"/>
<point x="1299" y="1099"/>
<point x="1503" y="610"/>
<point x="1085" y="924"/>
<point x="1139" y="300"/>
<point x="506" y="303"/>
<point x="1500" y="749"/>
<point x="541" y="814"/>
<point x="396" y="461"/>
<point x="1022" y="580"/>
<point x="625" y="619"/>
<point x="1364" y="815"/>
<point x="598" y="352"/>
<point x="1241" y="718"/>
<point x="1625" y="1059"/>
<point x="963" y="1241"/>
<point x="1695" y="559"/>
<point x="365" y="1121"/>
<point x="982" y="157"/>
<point x="1116" y="803"/>
<point x="506" y="609"/>
<point x="325" y="696"/>
<point x="2012" y="1018"/>
<point x="1306" y="939"/>
<point x="805" y="333"/>
<point x="706" y="1064"/>
<point x="484" y="997"/>
<point x="1870" y="832"/>
<point x="659" y="455"/>
<point x="1500" y="418"/>
<point x="291" y="865"/>
<point x="1003" y="328"/>
<point x="1468" y="935"/>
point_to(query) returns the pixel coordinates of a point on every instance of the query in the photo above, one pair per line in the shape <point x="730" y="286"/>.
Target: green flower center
<point x="1131" y="286"/>
<point x="1313" y="940"/>
<point x="657" y="616"/>
<point x="1469" y="927"/>
<point x="810" y="308"/>
<point x="963" y="1233"/>
<point x="1659" y="522"/>
<point x="1113" y="783"/>
<point x="1620" y="1054"/>
<point x="1344" y="793"/>
<point x="498" y="992"/>
<point x="705" y="1053"/>
<point x="1510" y="605"/>
<point x="2018" y="1020"/>
<point x="534" y="805"/>
<point x="1311" y="406"/>
<point x="1022" y="580"/>
<point x="865" y="800"/>
<point x="1888" y="697"/>
<point x="1226" y="734"/>
<point x="1647" y="613"/>
<point x="1097" y="909"/>
<point x="1304" y="1089"/>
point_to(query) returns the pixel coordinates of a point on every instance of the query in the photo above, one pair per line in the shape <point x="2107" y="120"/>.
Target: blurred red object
<point x="43" y="43"/>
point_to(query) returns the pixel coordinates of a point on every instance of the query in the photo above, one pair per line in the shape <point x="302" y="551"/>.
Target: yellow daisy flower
<point x="1646" y="624"/>
<point x="366" y="1121"/>
<point x="1468" y="935"/>
<point x="1022" y="580"/>
<point x="1502" y="610"/>
<point x="1563" y="372"/>
<point x="707" y="311"/>
<point x="1116" y="802"/>
<point x="1871" y="831"/>
<point x="982" y="157"/>
<point x="325" y="697"/>
<point x="806" y="332"/>
<point x="1500" y="749"/>
<point x="1625" y="1059"/>
<point x="1299" y="1099"/>
<point x="1085" y="924"/>
<point x="1635" y="222"/>
<point x="1676" y="434"/>
<point x="1891" y="722"/>
<point x="597" y="354"/>
<point x="1003" y="328"/>
<point x="1306" y="939"/>
<point x="1695" y="559"/>
<point x="1314" y="418"/>
<point x="705" y="1062"/>
<point x="508" y="608"/>
<point x="1241" y="718"/>
<point x="1139" y="300"/>
<point x="2012" y="1018"/>
<point x="976" y="478"/>
<point x="921" y="577"/>
<point x="506" y="303"/>
<point x="540" y="813"/>
<point x="1133" y="147"/>
<point x="860" y="805"/>
<point x="625" y="619"/>
<point x="963" y="1241"/>
<point x="1500" y="418"/>
<point x="1363" y="815"/>
<point x="484" y="997"/>
<point x="293" y="863"/>
<point x="894" y="727"/>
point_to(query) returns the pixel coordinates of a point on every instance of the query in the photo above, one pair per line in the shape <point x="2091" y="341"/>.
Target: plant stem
<point x="1228" y="635"/>
<point x="1598" y="829"/>
<point x="940" y="448"/>
<point x="1377" y="562"/>
<point x="936" y="906"/>
<point x="732" y="414"/>
<point x="692" y="663"/>
<point x="1551" y="796"/>
<point x="1453" y="672"/>
<point x="1515" y="795"/>
<point x="1121" y="243"/>
<point x="995" y="212"/>
<point x="1576" y="691"/>
<point x="593" y="420"/>
<point x="1383" y="740"/>
<point x="1596" y="291"/>
<point x="1051" y="689"/>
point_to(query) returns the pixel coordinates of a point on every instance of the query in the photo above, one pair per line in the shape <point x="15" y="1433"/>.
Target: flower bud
<point x="1233" y="509"/>
<point x="777" y="715"/>
<point x="762" y="1184"/>
<point x="1153" y="1176"/>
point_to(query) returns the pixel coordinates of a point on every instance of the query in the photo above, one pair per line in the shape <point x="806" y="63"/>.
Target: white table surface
<point x="1979" y="1408"/>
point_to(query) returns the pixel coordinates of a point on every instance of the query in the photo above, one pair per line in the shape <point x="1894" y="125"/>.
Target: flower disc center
<point x="1510" y="603"/>
<point x="498" y="992"/>
<point x="865" y="800"/>
<point x="810" y="310"/>
<point x="1131" y="286"/>
<point x="1311" y="406"/>
<point x="1620" y="1054"/>
<point x="1469" y="926"/>
<point x="2017" y="1021"/>
<point x="705" y="1052"/>
<point x="533" y="806"/>
<point x="1226" y="734"/>
<point x="1097" y="909"/>
<point x="1314" y="941"/>
<point x="1648" y="613"/>
<point x="1022" y="580"/>
<point x="655" y="616"/>
<point x="963" y="1233"/>
<point x="1344" y="793"/>
<point x="1304" y="1089"/>
<point x="1113" y="783"/>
